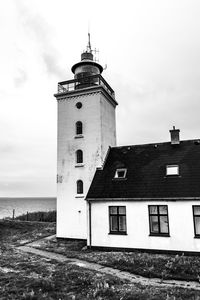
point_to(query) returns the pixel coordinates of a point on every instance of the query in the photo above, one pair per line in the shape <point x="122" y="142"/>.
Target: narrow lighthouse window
<point x="79" y="156"/>
<point x="79" y="187"/>
<point x="79" y="127"/>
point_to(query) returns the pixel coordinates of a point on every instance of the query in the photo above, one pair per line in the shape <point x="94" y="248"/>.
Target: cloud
<point x="20" y="78"/>
<point x="6" y="148"/>
<point x="38" y="29"/>
<point x="51" y="63"/>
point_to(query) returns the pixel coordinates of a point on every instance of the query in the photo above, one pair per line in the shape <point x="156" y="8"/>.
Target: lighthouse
<point x="86" y="128"/>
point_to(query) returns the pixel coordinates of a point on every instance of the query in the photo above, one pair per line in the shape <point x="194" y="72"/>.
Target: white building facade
<point x="182" y="233"/>
<point x="86" y="129"/>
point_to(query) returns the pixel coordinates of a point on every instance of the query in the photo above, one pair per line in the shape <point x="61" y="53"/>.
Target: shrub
<point x="180" y="267"/>
<point x="39" y="216"/>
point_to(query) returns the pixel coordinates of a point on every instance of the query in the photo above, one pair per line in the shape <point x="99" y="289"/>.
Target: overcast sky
<point x="152" y="52"/>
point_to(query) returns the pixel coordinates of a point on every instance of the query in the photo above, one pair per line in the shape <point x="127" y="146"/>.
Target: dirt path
<point x="107" y="270"/>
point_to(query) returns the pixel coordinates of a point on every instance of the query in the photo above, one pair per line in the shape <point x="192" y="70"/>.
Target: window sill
<point x="118" y="233"/>
<point x="119" y="178"/>
<point x="172" y="176"/>
<point x="79" y="165"/>
<point x="160" y="234"/>
<point x="80" y="196"/>
<point x="79" y="136"/>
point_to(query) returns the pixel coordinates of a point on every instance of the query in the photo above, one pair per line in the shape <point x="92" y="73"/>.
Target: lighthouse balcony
<point x="85" y="82"/>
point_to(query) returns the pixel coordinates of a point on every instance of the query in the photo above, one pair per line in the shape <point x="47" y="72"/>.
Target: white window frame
<point x="173" y="172"/>
<point x="117" y="216"/>
<point x="120" y="170"/>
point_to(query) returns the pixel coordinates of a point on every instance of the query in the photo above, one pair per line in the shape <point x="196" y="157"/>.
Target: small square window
<point x="120" y="173"/>
<point x="172" y="170"/>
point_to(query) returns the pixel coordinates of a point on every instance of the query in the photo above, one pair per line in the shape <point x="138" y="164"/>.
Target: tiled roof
<point x="146" y="172"/>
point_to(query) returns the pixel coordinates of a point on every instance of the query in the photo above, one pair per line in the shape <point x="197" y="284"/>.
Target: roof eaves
<point x="145" y="199"/>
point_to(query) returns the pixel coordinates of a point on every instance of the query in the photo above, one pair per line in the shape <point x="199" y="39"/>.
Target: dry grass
<point x="16" y="232"/>
<point x="26" y="276"/>
<point x="162" y="266"/>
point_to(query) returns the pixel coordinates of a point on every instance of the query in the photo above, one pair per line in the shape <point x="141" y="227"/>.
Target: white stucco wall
<point x="71" y="208"/>
<point x="181" y="226"/>
<point x="108" y="125"/>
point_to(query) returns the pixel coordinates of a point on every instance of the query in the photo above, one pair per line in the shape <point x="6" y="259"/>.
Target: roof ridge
<point x="153" y="144"/>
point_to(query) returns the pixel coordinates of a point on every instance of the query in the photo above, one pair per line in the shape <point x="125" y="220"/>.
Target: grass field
<point x="26" y="276"/>
<point x="162" y="266"/>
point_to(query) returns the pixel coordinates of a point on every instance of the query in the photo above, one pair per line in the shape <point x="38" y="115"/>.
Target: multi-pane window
<point x="79" y="127"/>
<point x="79" y="156"/>
<point x="117" y="218"/>
<point x="79" y="187"/>
<point x="172" y="170"/>
<point x="120" y="173"/>
<point x="158" y="220"/>
<point x="196" y="216"/>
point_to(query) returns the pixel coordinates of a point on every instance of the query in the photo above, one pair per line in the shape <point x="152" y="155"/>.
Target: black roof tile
<point x="146" y="172"/>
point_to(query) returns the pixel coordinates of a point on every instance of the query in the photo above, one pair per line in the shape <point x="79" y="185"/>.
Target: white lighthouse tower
<point x="86" y="129"/>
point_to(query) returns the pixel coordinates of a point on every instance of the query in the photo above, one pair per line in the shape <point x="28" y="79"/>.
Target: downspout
<point x="90" y="226"/>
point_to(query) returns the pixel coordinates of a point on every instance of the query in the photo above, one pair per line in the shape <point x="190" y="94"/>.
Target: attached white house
<point x="147" y="197"/>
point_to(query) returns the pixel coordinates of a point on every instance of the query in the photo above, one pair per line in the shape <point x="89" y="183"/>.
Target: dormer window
<point x="120" y="173"/>
<point x="172" y="170"/>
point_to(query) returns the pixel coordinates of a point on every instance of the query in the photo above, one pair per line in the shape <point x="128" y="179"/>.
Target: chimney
<point x="175" y="136"/>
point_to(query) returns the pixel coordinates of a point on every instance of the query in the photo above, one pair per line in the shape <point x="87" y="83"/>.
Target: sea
<point x="19" y="206"/>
